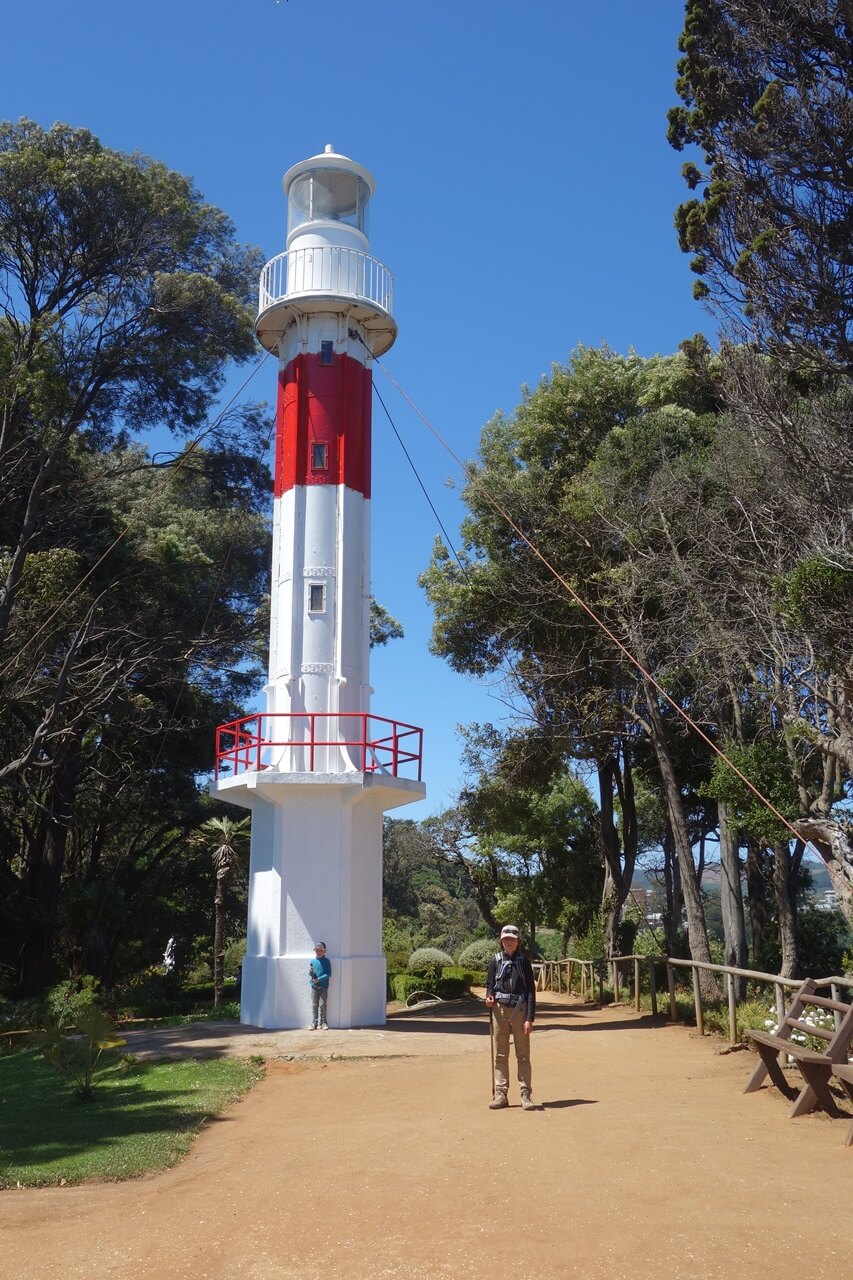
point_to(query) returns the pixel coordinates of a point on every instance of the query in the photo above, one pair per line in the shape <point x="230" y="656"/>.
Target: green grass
<point x="141" y="1120"/>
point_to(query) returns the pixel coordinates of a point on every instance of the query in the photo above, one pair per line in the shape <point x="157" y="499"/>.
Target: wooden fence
<point x="563" y="975"/>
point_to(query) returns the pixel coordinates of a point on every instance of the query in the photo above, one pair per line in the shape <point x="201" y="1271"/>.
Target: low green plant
<point x="478" y="954"/>
<point x="233" y="957"/>
<point x="471" y="977"/>
<point x="86" y="1057"/>
<point x="427" y="958"/>
<point x="451" y="988"/>
<point x="405" y="984"/>
<point x="65" y="1003"/>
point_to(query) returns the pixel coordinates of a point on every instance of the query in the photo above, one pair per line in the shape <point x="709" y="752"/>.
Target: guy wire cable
<point x="474" y="478"/>
<point x="171" y="472"/>
<point x="463" y="567"/>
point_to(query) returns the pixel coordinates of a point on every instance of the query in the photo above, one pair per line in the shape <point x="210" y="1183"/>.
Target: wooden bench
<point x="844" y="1072"/>
<point x="815" y="1067"/>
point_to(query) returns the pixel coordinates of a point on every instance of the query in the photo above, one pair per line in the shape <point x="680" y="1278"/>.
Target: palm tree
<point x="227" y="839"/>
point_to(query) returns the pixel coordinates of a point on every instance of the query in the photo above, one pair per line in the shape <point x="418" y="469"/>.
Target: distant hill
<point x="712" y="873"/>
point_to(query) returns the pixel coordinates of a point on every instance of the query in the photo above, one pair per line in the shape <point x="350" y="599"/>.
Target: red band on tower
<point x="323" y="424"/>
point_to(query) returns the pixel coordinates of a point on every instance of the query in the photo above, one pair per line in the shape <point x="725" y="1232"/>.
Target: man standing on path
<point x="319" y="973"/>
<point x="511" y="997"/>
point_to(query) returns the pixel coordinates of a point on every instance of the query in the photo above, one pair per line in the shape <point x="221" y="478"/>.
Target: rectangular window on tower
<point x="327" y="353"/>
<point x="316" y="597"/>
<point x="319" y="455"/>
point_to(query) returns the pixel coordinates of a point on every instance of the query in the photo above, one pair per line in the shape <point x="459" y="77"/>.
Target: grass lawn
<point x="141" y="1120"/>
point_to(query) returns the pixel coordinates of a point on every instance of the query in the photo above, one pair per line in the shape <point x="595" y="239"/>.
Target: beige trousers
<point x="508" y="1020"/>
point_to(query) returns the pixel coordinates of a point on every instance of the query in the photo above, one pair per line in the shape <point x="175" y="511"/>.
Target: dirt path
<point x="645" y="1161"/>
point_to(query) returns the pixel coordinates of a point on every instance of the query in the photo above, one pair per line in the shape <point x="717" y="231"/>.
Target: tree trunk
<point x="834" y="843"/>
<point x="785" y="909"/>
<point x="217" y="944"/>
<point x="43" y="877"/>
<point x="697" y="929"/>
<point x="619" y="856"/>
<point x="759" y="914"/>
<point x="731" y="898"/>
<point x="674" y="896"/>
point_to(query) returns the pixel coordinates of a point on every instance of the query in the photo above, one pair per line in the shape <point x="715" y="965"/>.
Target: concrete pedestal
<point x="316" y="874"/>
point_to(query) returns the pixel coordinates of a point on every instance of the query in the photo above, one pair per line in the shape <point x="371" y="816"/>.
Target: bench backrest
<point x="838" y="1039"/>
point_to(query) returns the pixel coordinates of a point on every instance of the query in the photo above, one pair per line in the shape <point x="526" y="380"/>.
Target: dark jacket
<point x="517" y="979"/>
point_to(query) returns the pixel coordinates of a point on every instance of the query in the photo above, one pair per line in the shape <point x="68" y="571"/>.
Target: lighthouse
<point x="318" y="769"/>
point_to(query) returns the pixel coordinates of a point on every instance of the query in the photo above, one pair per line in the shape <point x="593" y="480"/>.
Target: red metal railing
<point x="364" y="742"/>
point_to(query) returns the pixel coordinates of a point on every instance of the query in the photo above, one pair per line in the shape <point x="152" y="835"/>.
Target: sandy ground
<point x="373" y="1153"/>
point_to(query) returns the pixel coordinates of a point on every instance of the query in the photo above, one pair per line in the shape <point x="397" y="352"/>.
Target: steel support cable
<point x="463" y="567"/>
<point x="474" y="478"/>
<point x="171" y="473"/>
<point x="420" y="481"/>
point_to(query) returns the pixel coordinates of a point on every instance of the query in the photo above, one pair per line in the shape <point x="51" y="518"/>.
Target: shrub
<point x="471" y="977"/>
<point x="88" y="1056"/>
<point x="451" y="988"/>
<point x="405" y="983"/>
<point x="427" y="958"/>
<point x="67" y="1002"/>
<point x="478" y="954"/>
<point x="397" y="961"/>
<point x="232" y="957"/>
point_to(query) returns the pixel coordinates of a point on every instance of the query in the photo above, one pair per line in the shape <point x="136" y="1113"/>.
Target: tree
<point x="123" y="296"/>
<point x="597" y="425"/>
<point x="226" y="840"/>
<point x="768" y="103"/>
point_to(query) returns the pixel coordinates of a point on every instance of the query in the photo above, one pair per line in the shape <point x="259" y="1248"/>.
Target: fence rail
<point x="559" y="975"/>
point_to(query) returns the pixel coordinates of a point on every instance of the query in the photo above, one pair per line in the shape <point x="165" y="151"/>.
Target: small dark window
<point x="327" y="353"/>
<point x="319" y="455"/>
<point x="316" y="597"/>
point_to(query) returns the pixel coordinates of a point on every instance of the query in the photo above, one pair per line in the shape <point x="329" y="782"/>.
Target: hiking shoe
<point x="527" y="1103"/>
<point x="498" y="1101"/>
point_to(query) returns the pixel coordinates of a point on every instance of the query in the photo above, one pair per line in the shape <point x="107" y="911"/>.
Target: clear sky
<point x="524" y="203"/>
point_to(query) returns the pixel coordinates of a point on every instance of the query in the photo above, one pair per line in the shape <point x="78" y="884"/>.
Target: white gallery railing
<point x="326" y="269"/>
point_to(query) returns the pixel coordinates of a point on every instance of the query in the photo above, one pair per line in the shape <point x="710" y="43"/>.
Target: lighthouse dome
<point x="327" y="189"/>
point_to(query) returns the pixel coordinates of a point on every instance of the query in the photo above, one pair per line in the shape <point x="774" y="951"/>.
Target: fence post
<point x="615" y="981"/>
<point x="670" y="982"/>
<point x="730" y="989"/>
<point x="833" y="992"/>
<point x="600" y="984"/>
<point x="697" y="1002"/>
<point x="781" y="1012"/>
<point x="636" y="984"/>
<point x="653" y="992"/>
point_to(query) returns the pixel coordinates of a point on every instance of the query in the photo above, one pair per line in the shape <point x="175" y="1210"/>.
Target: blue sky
<point x="524" y="203"/>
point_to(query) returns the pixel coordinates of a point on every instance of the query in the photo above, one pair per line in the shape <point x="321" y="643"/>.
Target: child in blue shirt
<point x="319" y="973"/>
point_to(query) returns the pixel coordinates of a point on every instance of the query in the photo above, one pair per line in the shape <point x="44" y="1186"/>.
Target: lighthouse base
<point x="276" y="993"/>
<point x="315" y="876"/>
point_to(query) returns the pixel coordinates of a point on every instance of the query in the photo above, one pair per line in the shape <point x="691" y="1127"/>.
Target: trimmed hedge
<point x="471" y="977"/>
<point x="450" y="986"/>
<point x="403" y="984"/>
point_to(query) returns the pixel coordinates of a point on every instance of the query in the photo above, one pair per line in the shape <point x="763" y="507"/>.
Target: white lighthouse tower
<point x="317" y="769"/>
